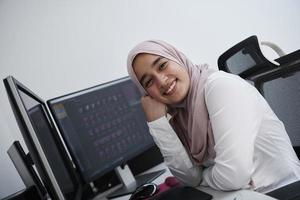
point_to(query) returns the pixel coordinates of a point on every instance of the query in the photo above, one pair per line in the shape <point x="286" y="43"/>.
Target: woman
<point x="213" y="128"/>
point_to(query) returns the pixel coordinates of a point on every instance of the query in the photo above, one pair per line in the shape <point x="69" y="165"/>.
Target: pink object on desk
<point x="170" y="182"/>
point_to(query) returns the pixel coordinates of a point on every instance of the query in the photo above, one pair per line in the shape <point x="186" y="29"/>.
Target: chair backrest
<point x="245" y="59"/>
<point x="281" y="89"/>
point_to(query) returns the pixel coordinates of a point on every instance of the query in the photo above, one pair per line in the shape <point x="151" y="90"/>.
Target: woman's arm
<point x="175" y="155"/>
<point x="235" y="117"/>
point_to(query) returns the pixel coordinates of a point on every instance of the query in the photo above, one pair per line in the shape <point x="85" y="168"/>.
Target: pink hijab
<point x="190" y="118"/>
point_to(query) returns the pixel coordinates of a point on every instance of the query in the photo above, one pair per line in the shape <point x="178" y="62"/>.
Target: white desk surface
<point x="217" y="195"/>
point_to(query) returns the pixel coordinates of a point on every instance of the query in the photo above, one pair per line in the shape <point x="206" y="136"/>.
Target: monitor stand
<point x="130" y="182"/>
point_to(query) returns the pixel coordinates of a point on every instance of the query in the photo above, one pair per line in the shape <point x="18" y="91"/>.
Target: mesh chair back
<point x="245" y="59"/>
<point x="281" y="89"/>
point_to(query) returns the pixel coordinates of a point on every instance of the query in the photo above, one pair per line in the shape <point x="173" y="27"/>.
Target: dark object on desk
<point x="288" y="192"/>
<point x="30" y="193"/>
<point x="171" y="189"/>
<point x="183" y="193"/>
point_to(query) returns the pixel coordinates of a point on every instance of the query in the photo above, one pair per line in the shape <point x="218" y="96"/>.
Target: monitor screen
<point x="103" y="126"/>
<point x="43" y="142"/>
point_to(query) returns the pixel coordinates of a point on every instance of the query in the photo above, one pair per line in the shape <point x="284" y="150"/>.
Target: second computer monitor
<point x="43" y="142"/>
<point x="103" y="126"/>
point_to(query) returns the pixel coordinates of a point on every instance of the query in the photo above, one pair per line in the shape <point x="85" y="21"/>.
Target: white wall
<point x="55" y="47"/>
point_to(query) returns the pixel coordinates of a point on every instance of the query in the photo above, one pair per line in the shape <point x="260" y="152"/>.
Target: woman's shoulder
<point x="221" y="75"/>
<point x="221" y="78"/>
<point x="225" y="82"/>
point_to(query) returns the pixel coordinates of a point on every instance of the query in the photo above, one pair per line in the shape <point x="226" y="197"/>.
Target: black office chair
<point x="245" y="59"/>
<point x="281" y="89"/>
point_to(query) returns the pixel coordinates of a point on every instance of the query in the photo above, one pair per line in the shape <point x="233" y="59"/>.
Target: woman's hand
<point x="152" y="108"/>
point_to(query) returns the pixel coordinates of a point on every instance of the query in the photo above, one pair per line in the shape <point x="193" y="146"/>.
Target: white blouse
<point x="251" y="143"/>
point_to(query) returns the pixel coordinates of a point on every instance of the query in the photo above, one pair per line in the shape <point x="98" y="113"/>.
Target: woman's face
<point x="164" y="80"/>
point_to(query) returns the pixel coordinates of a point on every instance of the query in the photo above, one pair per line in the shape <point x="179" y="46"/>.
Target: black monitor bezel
<point x="77" y="93"/>
<point x="23" y="162"/>
<point x="30" y="137"/>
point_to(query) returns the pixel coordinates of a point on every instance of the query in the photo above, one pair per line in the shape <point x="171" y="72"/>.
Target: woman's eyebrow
<point x="156" y="61"/>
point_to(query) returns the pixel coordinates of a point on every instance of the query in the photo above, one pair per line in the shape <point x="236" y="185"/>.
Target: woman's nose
<point x="162" y="80"/>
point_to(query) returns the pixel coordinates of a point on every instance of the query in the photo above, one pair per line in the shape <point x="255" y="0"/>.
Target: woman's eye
<point x="148" y="83"/>
<point x="163" y="65"/>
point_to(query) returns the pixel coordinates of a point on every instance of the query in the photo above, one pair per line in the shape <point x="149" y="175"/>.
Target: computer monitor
<point x="103" y="127"/>
<point x="24" y="165"/>
<point x="43" y="142"/>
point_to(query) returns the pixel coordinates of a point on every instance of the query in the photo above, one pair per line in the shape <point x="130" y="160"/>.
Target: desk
<point x="217" y="195"/>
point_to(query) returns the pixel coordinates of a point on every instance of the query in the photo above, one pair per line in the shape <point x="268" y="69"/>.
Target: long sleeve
<point x="174" y="153"/>
<point x="235" y="118"/>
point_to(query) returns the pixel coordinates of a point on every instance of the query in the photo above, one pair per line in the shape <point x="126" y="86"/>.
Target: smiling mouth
<point x="171" y="88"/>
